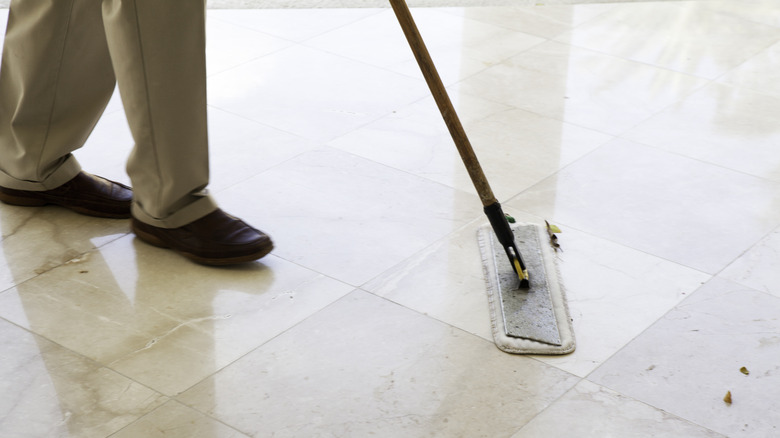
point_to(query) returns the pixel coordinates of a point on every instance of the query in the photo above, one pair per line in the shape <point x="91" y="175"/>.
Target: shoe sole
<point x="22" y="201"/>
<point x="210" y="261"/>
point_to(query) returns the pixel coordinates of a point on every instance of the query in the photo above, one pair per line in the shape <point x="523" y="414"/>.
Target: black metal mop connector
<point x="506" y="238"/>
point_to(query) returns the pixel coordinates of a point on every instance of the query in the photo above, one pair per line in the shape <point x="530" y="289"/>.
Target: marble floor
<point x="647" y="131"/>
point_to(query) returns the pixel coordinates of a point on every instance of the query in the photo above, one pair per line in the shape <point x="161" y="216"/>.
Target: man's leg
<point x="55" y="81"/>
<point x="158" y="52"/>
<point x="158" y="49"/>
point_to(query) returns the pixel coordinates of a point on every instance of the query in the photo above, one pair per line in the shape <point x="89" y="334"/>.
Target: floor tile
<point x="161" y="319"/>
<point x="696" y="214"/>
<point x="583" y="87"/>
<point x="758" y="73"/>
<point x="602" y="412"/>
<point x="3" y="23"/>
<point x="515" y="148"/>
<point x="427" y="378"/>
<point x="687" y="37"/>
<point x="759" y="11"/>
<point x="732" y="127"/>
<point x="109" y="145"/>
<point x="311" y="93"/>
<point x="296" y="25"/>
<point x="36" y="240"/>
<point x="757" y="268"/>
<point x="687" y="362"/>
<point x="52" y="392"/>
<point x="443" y="281"/>
<point x="172" y="420"/>
<point x="459" y="47"/>
<point x="614" y="293"/>
<point x="228" y="45"/>
<point x="544" y="20"/>
<point x="348" y="217"/>
<point x="241" y="148"/>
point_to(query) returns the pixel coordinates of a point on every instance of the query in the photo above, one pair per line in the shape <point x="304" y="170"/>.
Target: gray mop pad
<point x="537" y="318"/>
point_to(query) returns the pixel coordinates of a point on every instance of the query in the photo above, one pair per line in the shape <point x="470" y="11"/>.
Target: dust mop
<point x="527" y="301"/>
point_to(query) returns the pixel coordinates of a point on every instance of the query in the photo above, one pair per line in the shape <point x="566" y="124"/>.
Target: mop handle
<point x="443" y="101"/>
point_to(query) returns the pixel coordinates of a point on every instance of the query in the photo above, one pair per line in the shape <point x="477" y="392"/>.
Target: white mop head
<point x="540" y="314"/>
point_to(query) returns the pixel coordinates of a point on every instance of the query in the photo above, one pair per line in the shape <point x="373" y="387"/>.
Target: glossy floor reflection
<point x="647" y="131"/>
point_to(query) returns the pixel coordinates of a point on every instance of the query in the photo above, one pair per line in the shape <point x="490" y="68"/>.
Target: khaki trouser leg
<point x="55" y="81"/>
<point x="57" y="77"/>
<point x="158" y="52"/>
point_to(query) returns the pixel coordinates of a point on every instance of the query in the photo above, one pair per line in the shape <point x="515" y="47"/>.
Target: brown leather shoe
<point x="85" y="193"/>
<point x="215" y="239"/>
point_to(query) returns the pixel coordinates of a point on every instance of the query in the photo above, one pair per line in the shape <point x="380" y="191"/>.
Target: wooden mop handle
<point x="443" y="101"/>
